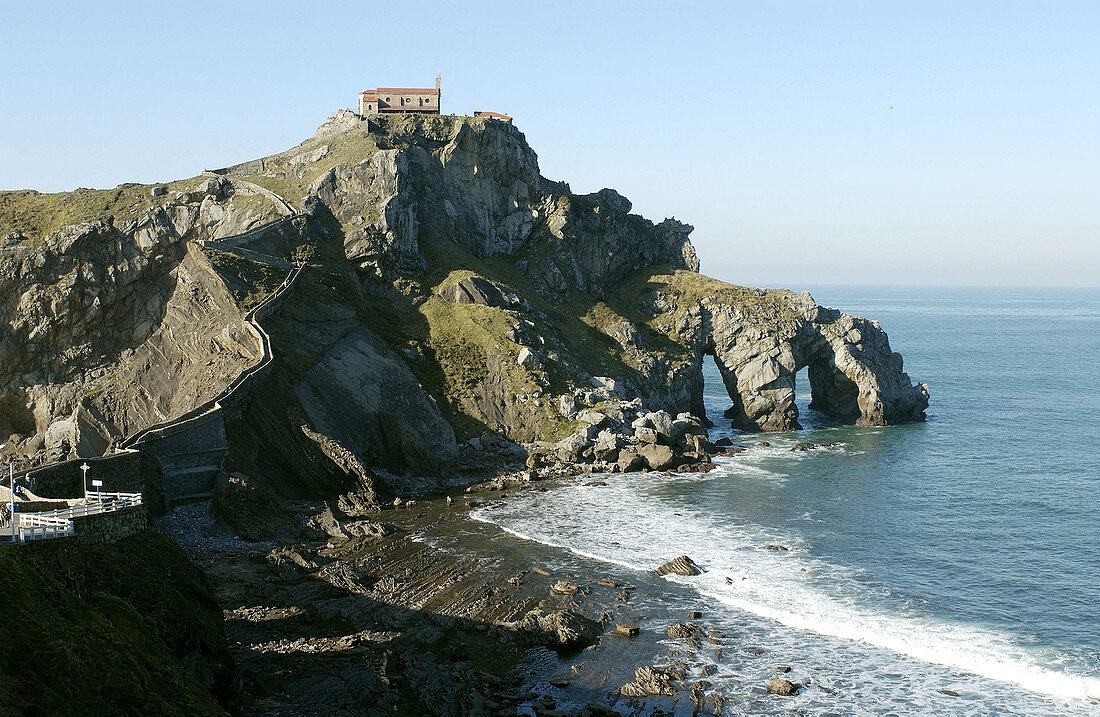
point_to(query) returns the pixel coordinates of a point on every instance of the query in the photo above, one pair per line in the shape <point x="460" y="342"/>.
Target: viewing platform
<point x="103" y="517"/>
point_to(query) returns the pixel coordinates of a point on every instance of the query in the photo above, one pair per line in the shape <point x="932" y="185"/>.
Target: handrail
<point x="119" y="500"/>
<point x="42" y="533"/>
<point x="60" y="523"/>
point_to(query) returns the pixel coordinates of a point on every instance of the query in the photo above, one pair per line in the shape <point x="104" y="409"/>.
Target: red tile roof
<point x="495" y="115"/>
<point x="407" y="90"/>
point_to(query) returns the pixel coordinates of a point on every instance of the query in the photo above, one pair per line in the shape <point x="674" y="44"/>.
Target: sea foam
<point x="628" y="523"/>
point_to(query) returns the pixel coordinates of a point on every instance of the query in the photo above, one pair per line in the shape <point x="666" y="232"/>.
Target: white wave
<point x="626" y="524"/>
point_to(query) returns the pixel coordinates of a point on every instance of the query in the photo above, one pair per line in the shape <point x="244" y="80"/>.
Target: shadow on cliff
<point x="272" y="439"/>
<point x="325" y="641"/>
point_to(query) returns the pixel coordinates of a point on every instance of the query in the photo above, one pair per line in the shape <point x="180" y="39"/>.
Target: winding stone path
<point x="194" y="442"/>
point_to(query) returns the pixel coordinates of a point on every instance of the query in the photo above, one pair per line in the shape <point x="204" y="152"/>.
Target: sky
<point x="808" y="142"/>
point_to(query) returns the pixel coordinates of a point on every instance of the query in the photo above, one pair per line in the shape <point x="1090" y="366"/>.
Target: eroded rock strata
<point x="455" y="298"/>
<point x="461" y="318"/>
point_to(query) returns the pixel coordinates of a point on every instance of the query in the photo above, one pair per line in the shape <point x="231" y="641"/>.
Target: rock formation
<point x="454" y="296"/>
<point x="118" y="323"/>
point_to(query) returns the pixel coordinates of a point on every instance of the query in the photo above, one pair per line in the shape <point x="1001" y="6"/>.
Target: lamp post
<point x="85" y="468"/>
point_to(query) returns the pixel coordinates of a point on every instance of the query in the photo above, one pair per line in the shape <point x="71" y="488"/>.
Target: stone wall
<point x="120" y="472"/>
<point x="190" y="455"/>
<point x="110" y="527"/>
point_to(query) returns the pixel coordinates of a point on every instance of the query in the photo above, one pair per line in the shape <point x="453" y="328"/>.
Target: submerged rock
<point x="625" y="630"/>
<point x="686" y="631"/>
<point x="564" y="587"/>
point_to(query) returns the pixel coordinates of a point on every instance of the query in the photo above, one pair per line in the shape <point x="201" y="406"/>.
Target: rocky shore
<point x="409" y="610"/>
<point x="457" y="320"/>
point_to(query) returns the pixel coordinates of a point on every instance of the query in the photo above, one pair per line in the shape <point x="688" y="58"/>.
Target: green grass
<point x="250" y="281"/>
<point x="35" y="214"/>
<point x="107" y="633"/>
<point x="283" y="178"/>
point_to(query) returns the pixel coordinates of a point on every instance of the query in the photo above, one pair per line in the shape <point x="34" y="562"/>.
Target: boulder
<point x="779" y="686"/>
<point x="682" y="565"/>
<point x="684" y="426"/>
<point x="661" y="422"/>
<point x="656" y="456"/>
<point x="592" y="418"/>
<point x="572" y="448"/>
<point x="558" y="629"/>
<point x="567" y="406"/>
<point x="477" y="290"/>
<point x="630" y="460"/>
<point x="564" y="587"/>
<point x="645" y="434"/>
<point x="686" y="631"/>
<point x="604" y="383"/>
<point x="649" y="682"/>
<point x="528" y="360"/>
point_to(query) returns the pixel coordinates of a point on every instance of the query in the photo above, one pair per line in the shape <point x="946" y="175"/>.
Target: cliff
<point x="456" y="302"/>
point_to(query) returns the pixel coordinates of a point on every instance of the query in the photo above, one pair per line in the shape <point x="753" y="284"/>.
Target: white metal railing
<point x="59" y="523"/>
<point x="97" y="503"/>
<point x="25" y="533"/>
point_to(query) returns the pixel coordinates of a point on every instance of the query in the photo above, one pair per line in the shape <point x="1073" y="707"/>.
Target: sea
<point x="945" y="567"/>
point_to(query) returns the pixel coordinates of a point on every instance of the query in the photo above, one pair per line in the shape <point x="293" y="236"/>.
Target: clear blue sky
<point x="808" y="142"/>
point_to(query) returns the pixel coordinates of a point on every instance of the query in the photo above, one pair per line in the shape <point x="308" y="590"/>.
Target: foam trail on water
<point x="625" y="524"/>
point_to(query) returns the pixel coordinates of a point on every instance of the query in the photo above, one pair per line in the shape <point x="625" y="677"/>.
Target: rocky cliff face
<point x="761" y="339"/>
<point x="455" y="298"/>
<point x="477" y="184"/>
<point x="115" y="324"/>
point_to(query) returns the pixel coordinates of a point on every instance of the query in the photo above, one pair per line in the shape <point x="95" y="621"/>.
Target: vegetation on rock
<point x="125" y="628"/>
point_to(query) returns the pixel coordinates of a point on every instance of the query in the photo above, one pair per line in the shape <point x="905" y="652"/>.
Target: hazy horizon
<point x="817" y="144"/>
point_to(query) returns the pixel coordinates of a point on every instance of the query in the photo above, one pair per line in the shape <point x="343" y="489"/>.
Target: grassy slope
<point x="291" y="181"/>
<point x="690" y="289"/>
<point x="113" y="647"/>
<point x="250" y="281"/>
<point x="35" y="214"/>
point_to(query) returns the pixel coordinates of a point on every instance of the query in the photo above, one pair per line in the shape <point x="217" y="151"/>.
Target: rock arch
<point x="854" y="376"/>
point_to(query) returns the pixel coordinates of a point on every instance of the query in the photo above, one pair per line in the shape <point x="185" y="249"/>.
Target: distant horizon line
<point x="925" y="286"/>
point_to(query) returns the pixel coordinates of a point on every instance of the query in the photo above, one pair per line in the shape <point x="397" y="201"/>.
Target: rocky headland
<point x="460" y="320"/>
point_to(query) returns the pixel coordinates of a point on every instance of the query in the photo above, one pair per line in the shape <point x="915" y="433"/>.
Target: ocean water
<point x="960" y="554"/>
